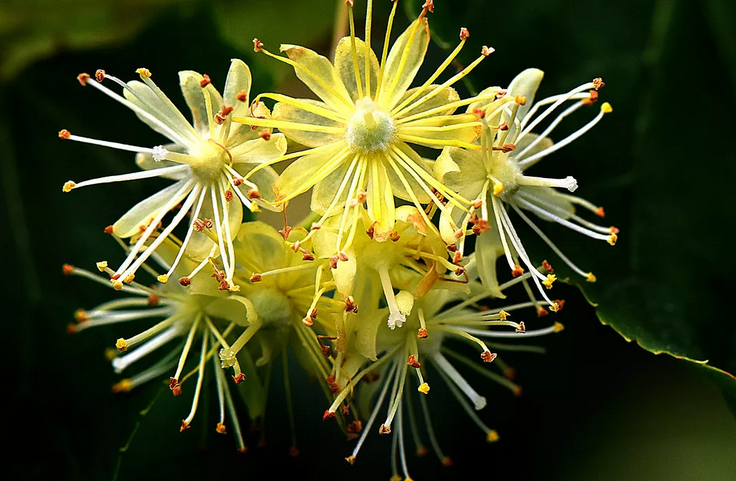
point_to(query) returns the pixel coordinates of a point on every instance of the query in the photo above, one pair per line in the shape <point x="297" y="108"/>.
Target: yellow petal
<point x="145" y="211"/>
<point x="258" y="151"/>
<point x="345" y="66"/>
<point x="306" y="171"/>
<point x="290" y="113"/>
<point x="403" y="62"/>
<point x="544" y="197"/>
<point x="462" y="171"/>
<point x="488" y="248"/>
<point x="446" y="96"/>
<point x="320" y="76"/>
<point x="324" y="192"/>
<point x="195" y="97"/>
<point x="146" y="99"/>
<point x="235" y="309"/>
<point x="399" y="188"/>
<point x="200" y="244"/>
<point x="380" y="199"/>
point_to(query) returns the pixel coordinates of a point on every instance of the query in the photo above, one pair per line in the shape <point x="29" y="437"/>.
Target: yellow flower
<point x="496" y="177"/>
<point x="439" y="316"/>
<point x="202" y="321"/>
<point x="207" y="160"/>
<point x="359" y="133"/>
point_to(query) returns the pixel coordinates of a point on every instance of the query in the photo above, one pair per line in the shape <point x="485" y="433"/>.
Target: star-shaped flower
<point x="496" y="178"/>
<point x="207" y="161"/>
<point x="359" y="134"/>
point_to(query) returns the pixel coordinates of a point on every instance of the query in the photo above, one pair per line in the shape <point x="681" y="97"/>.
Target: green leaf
<point x="665" y="285"/>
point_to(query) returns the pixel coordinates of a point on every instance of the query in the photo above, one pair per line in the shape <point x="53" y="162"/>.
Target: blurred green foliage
<point x="594" y="407"/>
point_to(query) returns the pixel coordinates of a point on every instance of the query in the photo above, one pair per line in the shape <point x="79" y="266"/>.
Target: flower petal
<point x="403" y="62"/>
<point x="266" y="247"/>
<point x="200" y="245"/>
<point x="324" y="191"/>
<point x="345" y="66"/>
<point x="488" y="248"/>
<point x="462" y="171"/>
<point x="526" y="84"/>
<point x="306" y="171"/>
<point x="444" y="97"/>
<point x="238" y="80"/>
<point x="380" y="199"/>
<point x="320" y="76"/>
<point x="146" y="99"/>
<point x="258" y="151"/>
<point x="290" y="113"/>
<point x="398" y="186"/>
<point x="142" y="213"/>
<point x="195" y="97"/>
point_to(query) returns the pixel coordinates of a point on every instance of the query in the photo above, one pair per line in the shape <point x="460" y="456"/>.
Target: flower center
<point x="208" y="160"/>
<point x="273" y="307"/>
<point x="506" y="170"/>
<point x="369" y="130"/>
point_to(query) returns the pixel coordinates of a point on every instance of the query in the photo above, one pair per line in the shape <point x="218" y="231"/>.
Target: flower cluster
<point x="378" y="288"/>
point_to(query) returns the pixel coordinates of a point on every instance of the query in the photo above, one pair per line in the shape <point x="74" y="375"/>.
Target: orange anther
<point x="239" y="378"/>
<point x="488" y="356"/>
<point x="517" y="271"/>
<point x="100" y="75"/>
<point x="464" y="33"/>
<point x="205" y="81"/>
<point x="64" y="134"/>
<point x="82" y="79"/>
<point x="185" y="281"/>
<point x="412" y="361"/>
<point x="257" y="45"/>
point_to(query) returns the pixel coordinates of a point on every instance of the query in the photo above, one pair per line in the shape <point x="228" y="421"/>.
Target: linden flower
<point x="358" y="134"/>
<point x="200" y="320"/>
<point x="206" y="161"/>
<point x="412" y="247"/>
<point x="287" y="290"/>
<point x="496" y="176"/>
<point x="423" y="343"/>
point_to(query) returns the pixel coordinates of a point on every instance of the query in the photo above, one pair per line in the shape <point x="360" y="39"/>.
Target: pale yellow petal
<point x="235" y="309"/>
<point x="447" y="130"/>
<point x="266" y="247"/>
<point x="195" y="97"/>
<point x="345" y="66"/>
<point x="462" y="171"/>
<point x="258" y="151"/>
<point x="306" y="171"/>
<point x="320" y="76"/>
<point x="380" y="199"/>
<point x="143" y="97"/>
<point x="140" y="215"/>
<point x="200" y="244"/>
<point x="290" y="113"/>
<point x="526" y="84"/>
<point x="488" y="248"/>
<point x="398" y="186"/>
<point x="547" y="196"/>
<point x="324" y="191"/>
<point x="446" y="96"/>
<point x="238" y="80"/>
<point x="404" y="60"/>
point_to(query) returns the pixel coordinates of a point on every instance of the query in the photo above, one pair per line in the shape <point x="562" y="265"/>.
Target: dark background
<point x="594" y="407"/>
